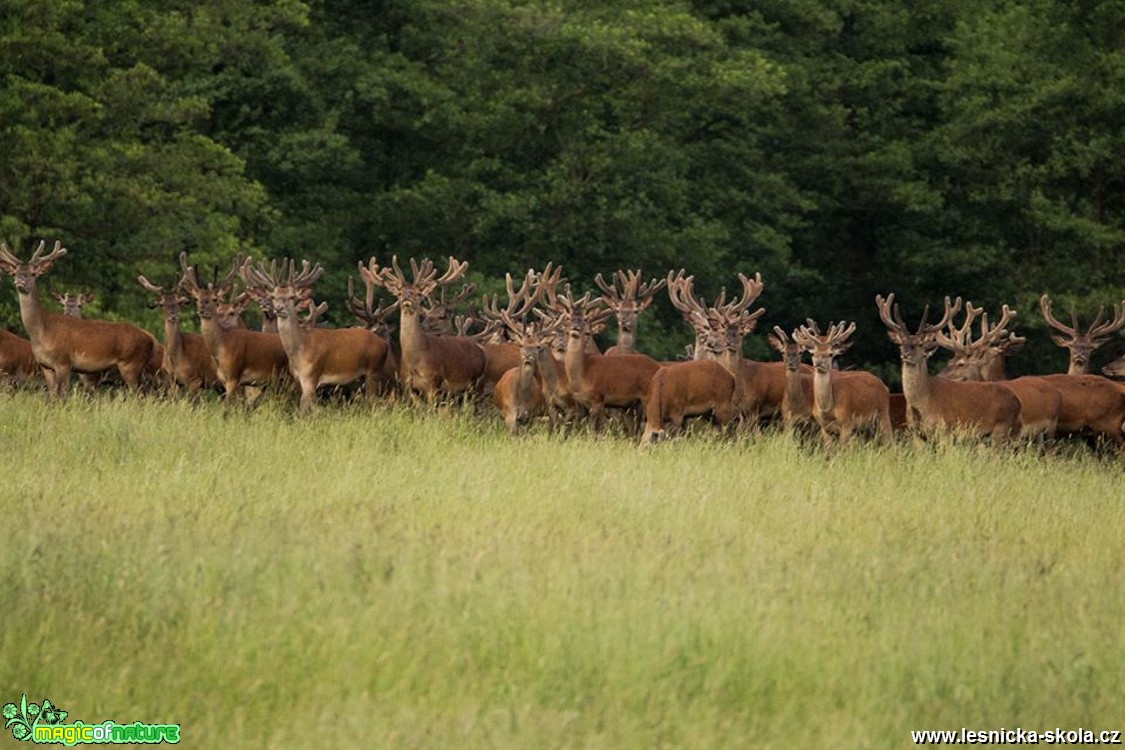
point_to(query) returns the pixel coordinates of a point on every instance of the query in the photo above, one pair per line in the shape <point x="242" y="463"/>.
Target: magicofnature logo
<point x="45" y="724"/>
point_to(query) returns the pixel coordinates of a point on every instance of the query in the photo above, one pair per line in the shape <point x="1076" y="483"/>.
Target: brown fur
<point x="687" y="389"/>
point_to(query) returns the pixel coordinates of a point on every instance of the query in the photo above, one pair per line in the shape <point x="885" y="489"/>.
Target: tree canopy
<point x="842" y="149"/>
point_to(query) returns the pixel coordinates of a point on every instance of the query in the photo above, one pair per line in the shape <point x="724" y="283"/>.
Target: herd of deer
<point x="536" y="356"/>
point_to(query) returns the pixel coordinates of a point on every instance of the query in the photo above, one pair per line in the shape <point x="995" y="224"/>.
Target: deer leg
<point x="308" y="395"/>
<point x="62" y="382"/>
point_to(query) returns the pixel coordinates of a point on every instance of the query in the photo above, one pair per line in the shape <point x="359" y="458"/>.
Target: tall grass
<point x="378" y="577"/>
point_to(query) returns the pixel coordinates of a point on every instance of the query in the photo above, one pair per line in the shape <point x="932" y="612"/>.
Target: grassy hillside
<point x="382" y="578"/>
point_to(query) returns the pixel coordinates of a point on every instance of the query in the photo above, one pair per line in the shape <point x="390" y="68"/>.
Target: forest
<point x="841" y="148"/>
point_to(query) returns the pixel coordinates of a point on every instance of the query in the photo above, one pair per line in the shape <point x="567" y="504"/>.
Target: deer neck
<point x="527" y="384"/>
<point x="823" y="396"/>
<point x="916" y="385"/>
<point x="173" y="342"/>
<point x="291" y="333"/>
<point x="411" y="337"/>
<point x="575" y="359"/>
<point x="32" y="313"/>
<point x="994" y="369"/>
<point x="794" y="391"/>
<point x="214" y="335"/>
<point x="545" y="364"/>
<point x="697" y="352"/>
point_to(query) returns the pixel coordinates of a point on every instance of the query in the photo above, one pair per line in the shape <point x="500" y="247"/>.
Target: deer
<point x="627" y="296"/>
<point x="63" y="344"/>
<point x="377" y="319"/>
<point x="501" y="357"/>
<point x="316" y="356"/>
<point x="430" y="365"/>
<point x="797" y="403"/>
<point x="935" y="403"/>
<point x="251" y="360"/>
<point x="1040" y="401"/>
<point x="73" y="302"/>
<point x="1088" y="402"/>
<point x="843" y="401"/>
<point x="17" y="360"/>
<point x="597" y="380"/>
<point x="1082" y="345"/>
<point x="186" y="360"/>
<point x="437" y="312"/>
<point x="689" y="389"/>
<point x="520" y="393"/>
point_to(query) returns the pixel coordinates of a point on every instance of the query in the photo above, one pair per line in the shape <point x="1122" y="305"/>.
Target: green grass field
<point x="377" y="577"/>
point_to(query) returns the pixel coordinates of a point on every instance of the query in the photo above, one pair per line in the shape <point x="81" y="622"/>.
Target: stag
<point x="842" y="401"/>
<point x="934" y="403"/>
<point x="62" y="344"/>
<point x="689" y="389"/>
<point x="627" y="296"/>
<point x="1082" y="345"/>
<point x="317" y="356"/>
<point x="1088" y="402"/>
<point x="521" y="393"/>
<point x="430" y="364"/>
<point x="73" y="302"/>
<point x="186" y="359"/>
<point x="797" y="403"/>
<point x="1040" y="402"/>
<point x="377" y="319"/>
<point x="251" y="359"/>
<point x="501" y="357"/>
<point x="597" y="380"/>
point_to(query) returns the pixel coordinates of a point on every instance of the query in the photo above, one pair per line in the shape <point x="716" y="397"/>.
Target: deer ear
<point x="58" y="297"/>
<point x="85" y="298"/>
<point x="775" y="342"/>
<point x="1063" y="342"/>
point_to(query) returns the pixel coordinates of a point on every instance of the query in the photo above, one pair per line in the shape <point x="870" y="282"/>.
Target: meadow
<point x="373" y="576"/>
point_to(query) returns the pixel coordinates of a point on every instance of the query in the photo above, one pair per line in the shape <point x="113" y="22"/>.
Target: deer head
<point x="979" y="358"/>
<point x="914" y="348"/>
<point x="521" y="301"/>
<point x="789" y="349"/>
<point x="1082" y="345"/>
<point x="170" y="301"/>
<point x="286" y="287"/>
<point x="424" y="281"/>
<point x="209" y="296"/>
<point x="73" y="302"/>
<point x="628" y="296"/>
<point x="24" y="274"/>
<point x="376" y="319"/>
<point x="824" y="348"/>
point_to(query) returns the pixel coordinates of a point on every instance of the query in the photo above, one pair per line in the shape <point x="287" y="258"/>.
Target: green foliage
<point x="842" y="149"/>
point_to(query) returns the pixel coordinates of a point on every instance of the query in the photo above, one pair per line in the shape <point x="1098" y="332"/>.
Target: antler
<point x="627" y="288"/>
<point x="37" y="258"/>
<point x="149" y="286"/>
<point x="315" y="311"/>
<point x="897" y="327"/>
<point x="1045" y="307"/>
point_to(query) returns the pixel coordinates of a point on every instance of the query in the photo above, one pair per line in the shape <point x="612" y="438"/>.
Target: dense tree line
<point x="840" y="147"/>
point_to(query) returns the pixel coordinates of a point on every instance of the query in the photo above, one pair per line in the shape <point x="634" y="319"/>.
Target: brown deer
<point x="62" y="344"/>
<point x="437" y="311"/>
<point x="627" y="296"/>
<point x="186" y="361"/>
<point x="1040" y="401"/>
<point x="17" y="361"/>
<point x="1088" y="402"/>
<point x="761" y="385"/>
<point x="939" y="403"/>
<point x="501" y="357"/>
<point x="520" y="393"/>
<point x="797" y="403"/>
<point x="317" y="356"/>
<point x="1082" y="345"/>
<point x="377" y="319"/>
<point x="598" y="380"/>
<point x="843" y="401"/>
<point x="689" y="389"/>
<point x="73" y="302"/>
<point x="243" y="358"/>
<point x="430" y="365"/>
